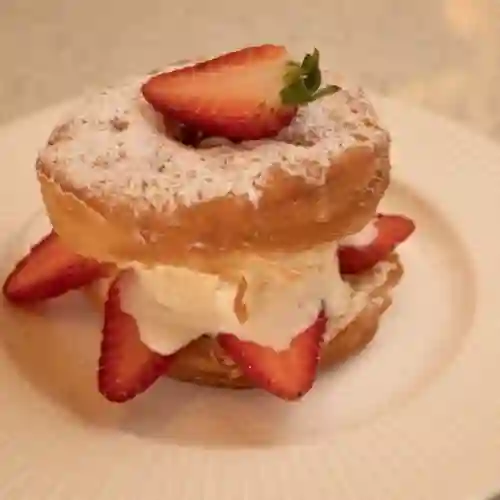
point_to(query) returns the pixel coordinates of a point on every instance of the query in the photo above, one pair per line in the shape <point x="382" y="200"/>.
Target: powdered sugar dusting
<point x="114" y="144"/>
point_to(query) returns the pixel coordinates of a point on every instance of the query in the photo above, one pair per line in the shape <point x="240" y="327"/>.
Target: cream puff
<point x="223" y="215"/>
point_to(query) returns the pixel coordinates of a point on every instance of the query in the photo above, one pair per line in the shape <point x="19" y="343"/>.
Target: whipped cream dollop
<point x="267" y="299"/>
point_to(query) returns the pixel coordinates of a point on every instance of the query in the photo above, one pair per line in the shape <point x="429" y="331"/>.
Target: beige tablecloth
<point x="442" y="54"/>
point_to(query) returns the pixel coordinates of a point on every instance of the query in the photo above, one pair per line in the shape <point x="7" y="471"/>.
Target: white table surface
<point x="441" y="54"/>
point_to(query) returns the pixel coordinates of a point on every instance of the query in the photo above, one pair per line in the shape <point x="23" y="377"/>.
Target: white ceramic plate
<point x="415" y="416"/>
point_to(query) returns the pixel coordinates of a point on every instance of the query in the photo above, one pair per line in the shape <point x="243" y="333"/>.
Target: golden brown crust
<point x="203" y="361"/>
<point x="192" y="236"/>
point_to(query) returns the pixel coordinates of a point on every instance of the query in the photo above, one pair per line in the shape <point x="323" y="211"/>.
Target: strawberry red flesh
<point x="251" y="93"/>
<point x="392" y="230"/>
<point x="288" y="374"/>
<point x="127" y="367"/>
<point x="49" y="270"/>
<point x="235" y="95"/>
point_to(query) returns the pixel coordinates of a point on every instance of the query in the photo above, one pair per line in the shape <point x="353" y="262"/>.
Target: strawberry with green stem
<point x="249" y="94"/>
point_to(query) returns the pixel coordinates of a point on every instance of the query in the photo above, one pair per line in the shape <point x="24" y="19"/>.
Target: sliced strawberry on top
<point x="127" y="367"/>
<point x="250" y="93"/>
<point x="288" y="374"/>
<point x="391" y="231"/>
<point x="50" y="269"/>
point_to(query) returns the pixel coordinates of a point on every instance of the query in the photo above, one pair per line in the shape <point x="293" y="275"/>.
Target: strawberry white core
<point x="361" y="239"/>
<point x="283" y="296"/>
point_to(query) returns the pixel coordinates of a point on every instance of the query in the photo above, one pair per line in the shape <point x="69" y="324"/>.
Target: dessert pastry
<point x="224" y="217"/>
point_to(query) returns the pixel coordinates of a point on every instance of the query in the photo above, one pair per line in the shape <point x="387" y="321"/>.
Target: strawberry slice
<point x="391" y="231"/>
<point x="288" y="374"/>
<point x="127" y="367"/>
<point x="251" y="93"/>
<point x="50" y="269"/>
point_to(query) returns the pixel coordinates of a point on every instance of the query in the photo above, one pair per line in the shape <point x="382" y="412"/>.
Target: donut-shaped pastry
<point x="118" y="186"/>
<point x="223" y="215"/>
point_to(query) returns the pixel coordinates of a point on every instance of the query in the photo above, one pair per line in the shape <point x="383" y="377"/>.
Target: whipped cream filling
<point x="267" y="300"/>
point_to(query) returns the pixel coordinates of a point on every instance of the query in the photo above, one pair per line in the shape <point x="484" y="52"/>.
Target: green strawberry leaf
<point x="311" y="71"/>
<point x="328" y="90"/>
<point x="302" y="82"/>
<point x="296" y="93"/>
